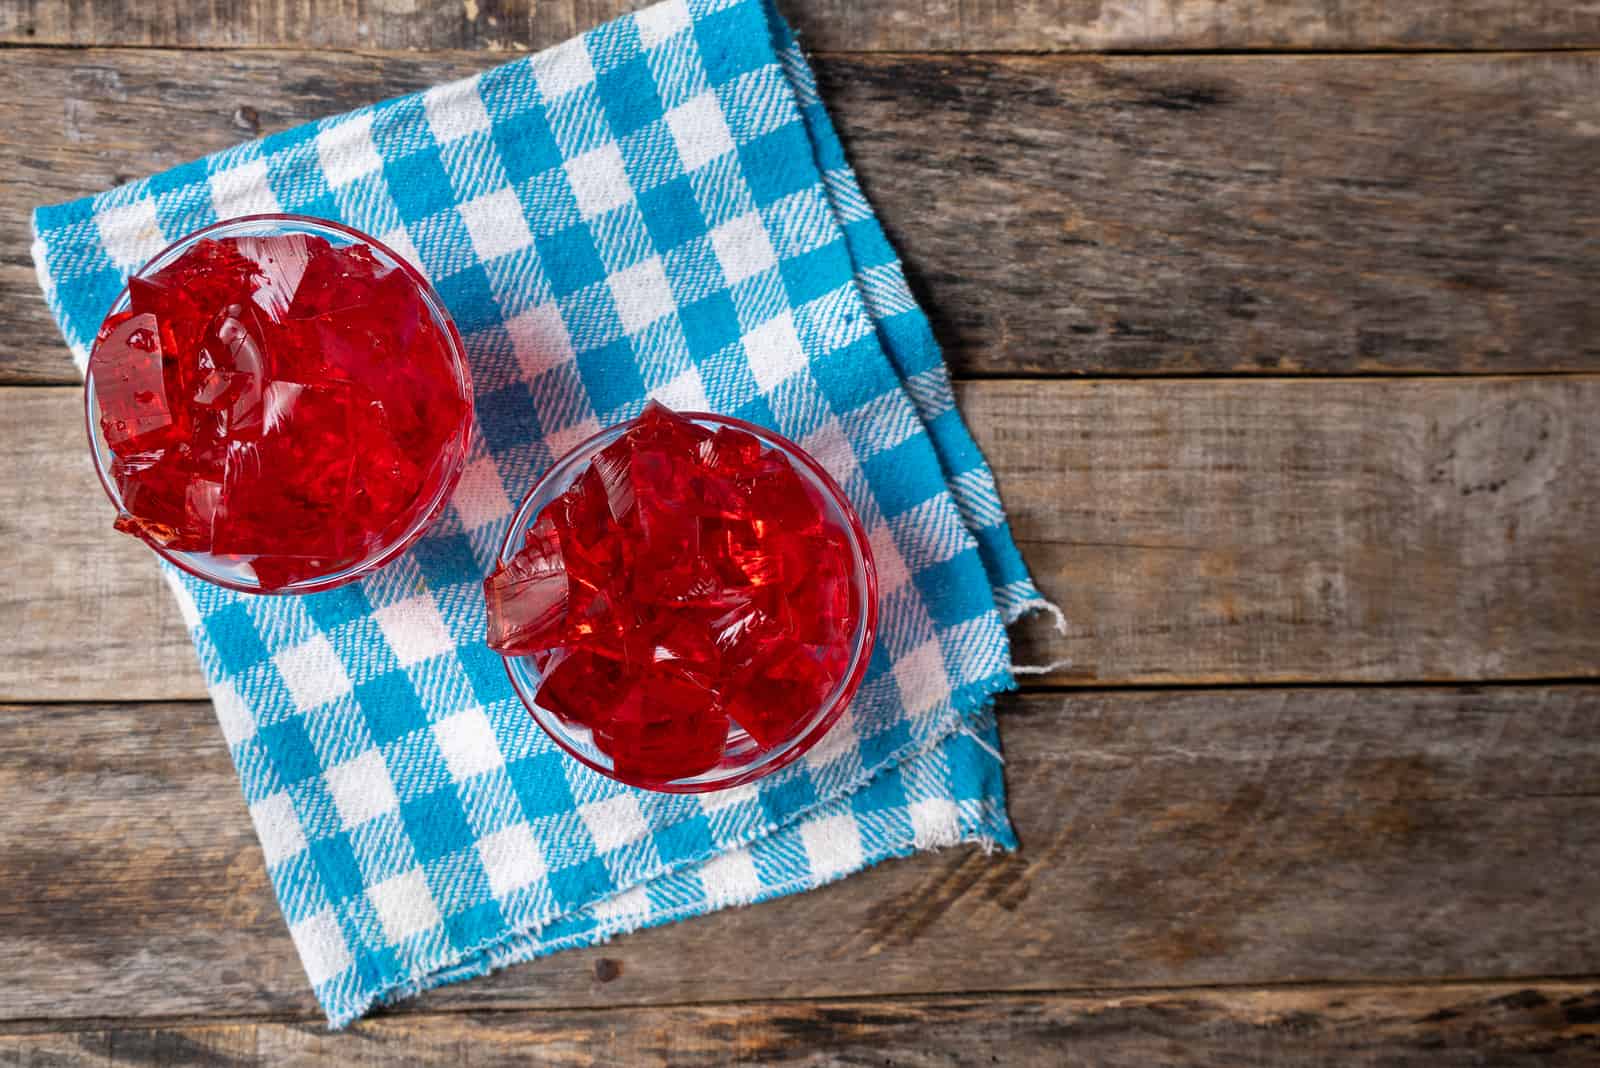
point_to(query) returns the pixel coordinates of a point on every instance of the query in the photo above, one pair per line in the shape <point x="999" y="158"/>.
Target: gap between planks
<point x="1466" y="985"/>
<point x="939" y="25"/>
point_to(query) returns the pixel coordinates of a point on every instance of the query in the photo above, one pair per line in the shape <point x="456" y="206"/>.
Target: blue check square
<point x="390" y="705"/>
<point x="293" y="756"/>
<point x="435" y="824"/>
<point x="526" y="145"/>
<point x="628" y="92"/>
<point x="419" y="186"/>
<point x="672" y="214"/>
<point x="570" y="259"/>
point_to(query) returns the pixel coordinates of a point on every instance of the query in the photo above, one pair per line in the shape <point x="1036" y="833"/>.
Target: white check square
<point x="921" y="677"/>
<point x="833" y="845"/>
<point x="414" y="629"/>
<point x="468" y="743"/>
<point x="632" y="903"/>
<point x="935" y="821"/>
<point x="642" y="294"/>
<point x="243" y="190"/>
<point x="361" y="789"/>
<point x="233" y="713"/>
<point x="717" y="800"/>
<point x="839" y="743"/>
<point x="322" y="948"/>
<point x="774" y="350"/>
<point x="685" y="393"/>
<point x="660" y="21"/>
<point x="562" y="69"/>
<point x="130" y="233"/>
<point x="560" y="442"/>
<point x="278" y="827"/>
<point x="480" y="497"/>
<point x="891" y="566"/>
<point x="833" y="451"/>
<point x="405" y="906"/>
<point x="455" y="110"/>
<point x="496" y="223"/>
<point x="347" y="152"/>
<point x="313" y="673"/>
<point x="699" y="130"/>
<point x="512" y="859"/>
<point x="614" y="822"/>
<point x="730" y="878"/>
<point x="399" y="242"/>
<point x="743" y="247"/>
<point x="540" y="339"/>
<point x="599" y="180"/>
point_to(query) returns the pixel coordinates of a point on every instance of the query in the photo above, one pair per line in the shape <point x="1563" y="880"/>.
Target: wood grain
<point x="1195" y="532"/>
<point x="83" y="612"/>
<point x="1374" y="531"/>
<point x="1169" y="839"/>
<point x="1132" y="216"/>
<point x="1438" y="1027"/>
<point x="840" y="25"/>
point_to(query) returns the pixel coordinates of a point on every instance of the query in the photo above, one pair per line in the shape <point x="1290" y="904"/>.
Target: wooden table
<point x="1279" y="322"/>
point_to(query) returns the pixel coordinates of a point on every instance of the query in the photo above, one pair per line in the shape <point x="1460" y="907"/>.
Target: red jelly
<point x="692" y="598"/>
<point x="280" y="400"/>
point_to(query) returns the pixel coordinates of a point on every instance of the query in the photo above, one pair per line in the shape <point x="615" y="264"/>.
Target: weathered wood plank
<point x="1434" y="1026"/>
<point x="1371" y="530"/>
<point x="83" y="612"/>
<point x="1281" y="216"/>
<point x="842" y="25"/>
<point x="1060" y="216"/>
<point x="1169" y="838"/>
<point x="1195" y="532"/>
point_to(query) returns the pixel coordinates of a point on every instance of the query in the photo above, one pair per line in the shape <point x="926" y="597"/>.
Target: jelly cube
<point x="186" y="294"/>
<point x="280" y="262"/>
<point x="581" y="687"/>
<point x="230" y="372"/>
<point x="666" y="726"/>
<point x="287" y="491"/>
<point x="781" y="498"/>
<point x="661" y="426"/>
<point x="777" y="691"/>
<point x="163" y="502"/>
<point x="677" y="640"/>
<point x="730" y="452"/>
<point x="130" y="384"/>
<point x="596" y="619"/>
<point x="333" y="279"/>
<point x="591" y="540"/>
<point x="527" y="596"/>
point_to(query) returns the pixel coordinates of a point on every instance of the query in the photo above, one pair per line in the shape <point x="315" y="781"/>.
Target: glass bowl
<point x="744" y="759"/>
<point x="234" y="572"/>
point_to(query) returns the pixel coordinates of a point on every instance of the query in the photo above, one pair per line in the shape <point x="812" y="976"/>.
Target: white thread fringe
<point x="967" y="730"/>
<point x="1028" y="607"/>
<point x="1040" y="669"/>
<point x="1039" y="604"/>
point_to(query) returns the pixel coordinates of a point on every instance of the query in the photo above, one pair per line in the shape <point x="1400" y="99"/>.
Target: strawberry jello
<point x="278" y="404"/>
<point x="685" y="602"/>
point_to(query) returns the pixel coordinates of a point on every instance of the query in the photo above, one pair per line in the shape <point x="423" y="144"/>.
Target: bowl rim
<point x="827" y="714"/>
<point x="189" y="563"/>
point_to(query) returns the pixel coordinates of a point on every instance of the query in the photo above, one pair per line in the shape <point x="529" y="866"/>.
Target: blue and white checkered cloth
<point x="658" y="208"/>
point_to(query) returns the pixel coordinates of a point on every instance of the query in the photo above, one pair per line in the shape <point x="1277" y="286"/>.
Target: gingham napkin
<point x="658" y="208"/>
